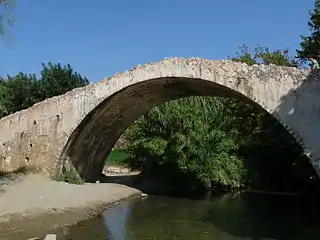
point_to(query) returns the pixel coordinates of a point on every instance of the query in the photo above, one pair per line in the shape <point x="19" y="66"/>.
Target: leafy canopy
<point x="310" y="45"/>
<point x="24" y="90"/>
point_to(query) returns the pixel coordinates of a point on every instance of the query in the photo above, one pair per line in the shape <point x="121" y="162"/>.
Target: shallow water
<point x="243" y="216"/>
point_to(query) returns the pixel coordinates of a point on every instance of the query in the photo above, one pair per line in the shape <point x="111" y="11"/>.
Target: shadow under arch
<point x="93" y="139"/>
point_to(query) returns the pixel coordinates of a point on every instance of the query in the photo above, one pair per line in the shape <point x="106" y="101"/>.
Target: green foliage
<point x="70" y="176"/>
<point x="5" y="103"/>
<point x="24" y="90"/>
<point x="56" y="79"/>
<point x="117" y="157"/>
<point x="310" y="45"/>
<point x="189" y="137"/>
<point x="263" y="55"/>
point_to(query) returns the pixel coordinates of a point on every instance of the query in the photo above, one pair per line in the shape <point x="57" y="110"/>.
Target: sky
<point x="102" y="37"/>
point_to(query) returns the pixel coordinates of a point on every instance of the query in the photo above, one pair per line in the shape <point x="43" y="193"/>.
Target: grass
<point x="69" y="176"/>
<point x="117" y="157"/>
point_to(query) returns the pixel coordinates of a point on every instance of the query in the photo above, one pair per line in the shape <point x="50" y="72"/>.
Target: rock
<point x="97" y="181"/>
<point x="144" y="195"/>
<point x="50" y="237"/>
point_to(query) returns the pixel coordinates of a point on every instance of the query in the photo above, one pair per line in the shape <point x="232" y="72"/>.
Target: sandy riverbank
<point x="35" y="204"/>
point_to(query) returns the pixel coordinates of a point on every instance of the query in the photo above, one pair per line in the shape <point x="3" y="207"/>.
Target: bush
<point x="194" y="137"/>
<point x="213" y="142"/>
<point x="24" y="90"/>
<point x="69" y="176"/>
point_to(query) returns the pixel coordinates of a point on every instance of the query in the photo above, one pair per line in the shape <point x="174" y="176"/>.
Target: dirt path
<point x="38" y="193"/>
<point x="32" y="195"/>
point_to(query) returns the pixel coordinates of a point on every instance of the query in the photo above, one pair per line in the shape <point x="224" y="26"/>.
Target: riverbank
<point x="34" y="205"/>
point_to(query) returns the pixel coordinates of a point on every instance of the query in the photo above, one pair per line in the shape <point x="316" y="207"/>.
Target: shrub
<point x="189" y="137"/>
<point x="214" y="142"/>
<point x="69" y="176"/>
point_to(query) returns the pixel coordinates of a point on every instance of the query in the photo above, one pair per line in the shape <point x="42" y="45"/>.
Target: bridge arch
<point x="131" y="94"/>
<point x="81" y="126"/>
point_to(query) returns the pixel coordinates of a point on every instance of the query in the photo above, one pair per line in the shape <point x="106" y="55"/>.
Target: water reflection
<point x="245" y="216"/>
<point x="115" y="220"/>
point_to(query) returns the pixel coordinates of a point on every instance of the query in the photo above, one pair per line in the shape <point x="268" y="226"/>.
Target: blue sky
<point x="102" y="37"/>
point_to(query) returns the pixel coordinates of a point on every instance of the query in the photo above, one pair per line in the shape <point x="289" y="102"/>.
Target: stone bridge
<point x="81" y="126"/>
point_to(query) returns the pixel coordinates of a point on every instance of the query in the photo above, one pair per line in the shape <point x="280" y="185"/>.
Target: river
<point x="249" y="216"/>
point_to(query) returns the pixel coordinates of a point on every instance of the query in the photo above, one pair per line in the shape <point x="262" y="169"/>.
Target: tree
<point x="310" y="45"/>
<point x="263" y="55"/>
<point x="6" y="20"/>
<point x="192" y="141"/>
<point x="5" y="103"/>
<point x="57" y="79"/>
<point x="24" y="90"/>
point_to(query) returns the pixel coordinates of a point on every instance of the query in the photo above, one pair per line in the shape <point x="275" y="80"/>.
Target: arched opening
<point x="93" y="139"/>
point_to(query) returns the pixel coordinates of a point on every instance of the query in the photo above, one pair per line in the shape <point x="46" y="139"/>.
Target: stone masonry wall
<point x="81" y="126"/>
